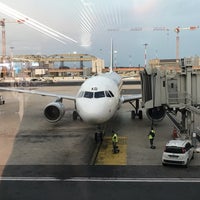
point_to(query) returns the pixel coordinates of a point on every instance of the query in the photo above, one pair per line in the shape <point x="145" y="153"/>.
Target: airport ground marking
<point x="101" y="179"/>
<point x="105" y="155"/>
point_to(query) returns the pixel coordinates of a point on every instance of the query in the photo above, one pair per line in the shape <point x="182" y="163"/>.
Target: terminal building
<point x="59" y="65"/>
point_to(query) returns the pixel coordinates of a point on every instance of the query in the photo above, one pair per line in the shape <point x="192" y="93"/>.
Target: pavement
<point x="26" y="138"/>
<point x="39" y="160"/>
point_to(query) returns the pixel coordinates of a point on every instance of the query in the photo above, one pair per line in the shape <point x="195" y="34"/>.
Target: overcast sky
<point x="88" y="21"/>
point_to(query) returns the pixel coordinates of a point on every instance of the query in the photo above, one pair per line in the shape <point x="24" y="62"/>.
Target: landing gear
<point x="75" y="115"/>
<point x="133" y="114"/>
<point x="98" y="137"/>
<point x="136" y="112"/>
<point x="140" y="115"/>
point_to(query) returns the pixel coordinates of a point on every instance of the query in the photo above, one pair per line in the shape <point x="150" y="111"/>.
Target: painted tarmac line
<point x="96" y="179"/>
<point x="105" y="155"/>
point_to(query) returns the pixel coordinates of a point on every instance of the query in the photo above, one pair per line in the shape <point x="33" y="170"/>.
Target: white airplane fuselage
<point x="98" y="98"/>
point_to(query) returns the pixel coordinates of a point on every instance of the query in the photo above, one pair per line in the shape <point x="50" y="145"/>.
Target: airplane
<point x="96" y="102"/>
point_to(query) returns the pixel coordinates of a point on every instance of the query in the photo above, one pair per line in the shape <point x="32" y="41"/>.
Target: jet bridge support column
<point x="187" y="114"/>
<point x="186" y="122"/>
<point x="188" y="84"/>
<point x="183" y="121"/>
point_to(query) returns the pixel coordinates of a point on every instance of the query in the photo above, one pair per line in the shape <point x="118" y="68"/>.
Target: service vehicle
<point x="178" y="152"/>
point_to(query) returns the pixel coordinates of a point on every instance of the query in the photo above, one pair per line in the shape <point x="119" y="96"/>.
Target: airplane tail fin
<point x="111" y="57"/>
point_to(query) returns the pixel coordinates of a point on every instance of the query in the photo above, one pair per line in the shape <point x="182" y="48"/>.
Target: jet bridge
<point x="172" y="91"/>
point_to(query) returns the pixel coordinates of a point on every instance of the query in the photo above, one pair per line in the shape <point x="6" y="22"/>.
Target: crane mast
<point x="2" y="24"/>
<point x="177" y="30"/>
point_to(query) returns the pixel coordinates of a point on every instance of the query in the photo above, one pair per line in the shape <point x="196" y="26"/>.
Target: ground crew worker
<point x="114" y="142"/>
<point x="151" y="137"/>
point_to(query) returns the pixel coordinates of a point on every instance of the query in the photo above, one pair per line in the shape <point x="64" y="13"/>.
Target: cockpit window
<point x="99" y="94"/>
<point x="88" y="95"/>
<point x="112" y="95"/>
<point x="108" y="94"/>
<point x="80" y="94"/>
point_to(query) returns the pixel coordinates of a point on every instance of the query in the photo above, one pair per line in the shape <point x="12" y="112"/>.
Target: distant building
<point x="173" y="63"/>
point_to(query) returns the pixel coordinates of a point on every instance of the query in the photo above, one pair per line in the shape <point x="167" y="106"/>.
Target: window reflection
<point x="99" y="94"/>
<point x="88" y="95"/>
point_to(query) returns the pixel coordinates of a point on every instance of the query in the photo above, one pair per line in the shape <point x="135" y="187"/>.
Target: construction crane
<point x="161" y="28"/>
<point x="177" y="30"/>
<point x="2" y="24"/>
<point x="137" y="29"/>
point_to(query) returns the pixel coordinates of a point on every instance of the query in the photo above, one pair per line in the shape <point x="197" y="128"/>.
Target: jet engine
<point x="156" y="114"/>
<point x="54" y="111"/>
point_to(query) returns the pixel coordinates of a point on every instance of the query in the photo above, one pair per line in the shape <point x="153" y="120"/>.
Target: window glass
<point x="80" y="94"/>
<point x="88" y="95"/>
<point x="174" y="149"/>
<point x="187" y="146"/>
<point x="108" y="94"/>
<point x="99" y="94"/>
<point x="112" y="95"/>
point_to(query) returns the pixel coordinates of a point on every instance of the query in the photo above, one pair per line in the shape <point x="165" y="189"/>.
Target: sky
<point x="88" y="26"/>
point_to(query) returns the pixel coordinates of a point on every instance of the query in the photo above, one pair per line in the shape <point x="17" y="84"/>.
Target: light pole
<point x="115" y="58"/>
<point x="145" y="54"/>
<point x="130" y="60"/>
<point x="11" y="62"/>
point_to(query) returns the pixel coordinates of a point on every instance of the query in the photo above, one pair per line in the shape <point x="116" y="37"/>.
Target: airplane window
<point x="99" y="94"/>
<point x="80" y="94"/>
<point x="112" y="95"/>
<point x="108" y="94"/>
<point x="88" y="95"/>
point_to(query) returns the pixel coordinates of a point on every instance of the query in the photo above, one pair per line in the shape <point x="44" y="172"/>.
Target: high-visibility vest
<point x="150" y="134"/>
<point x="115" y="138"/>
<point x="150" y="137"/>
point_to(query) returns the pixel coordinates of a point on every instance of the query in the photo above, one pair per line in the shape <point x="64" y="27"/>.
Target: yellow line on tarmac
<point x="107" y="157"/>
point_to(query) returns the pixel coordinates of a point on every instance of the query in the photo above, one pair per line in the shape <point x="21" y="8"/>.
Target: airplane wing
<point x="39" y="93"/>
<point x="128" y="98"/>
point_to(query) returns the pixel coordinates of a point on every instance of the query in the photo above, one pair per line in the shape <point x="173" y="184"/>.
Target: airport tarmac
<point x="40" y="160"/>
<point x="26" y="138"/>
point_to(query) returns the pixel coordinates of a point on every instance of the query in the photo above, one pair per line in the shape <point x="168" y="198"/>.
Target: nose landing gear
<point x="98" y="136"/>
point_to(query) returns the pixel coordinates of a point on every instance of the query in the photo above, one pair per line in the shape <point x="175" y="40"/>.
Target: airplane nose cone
<point x="94" y="113"/>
